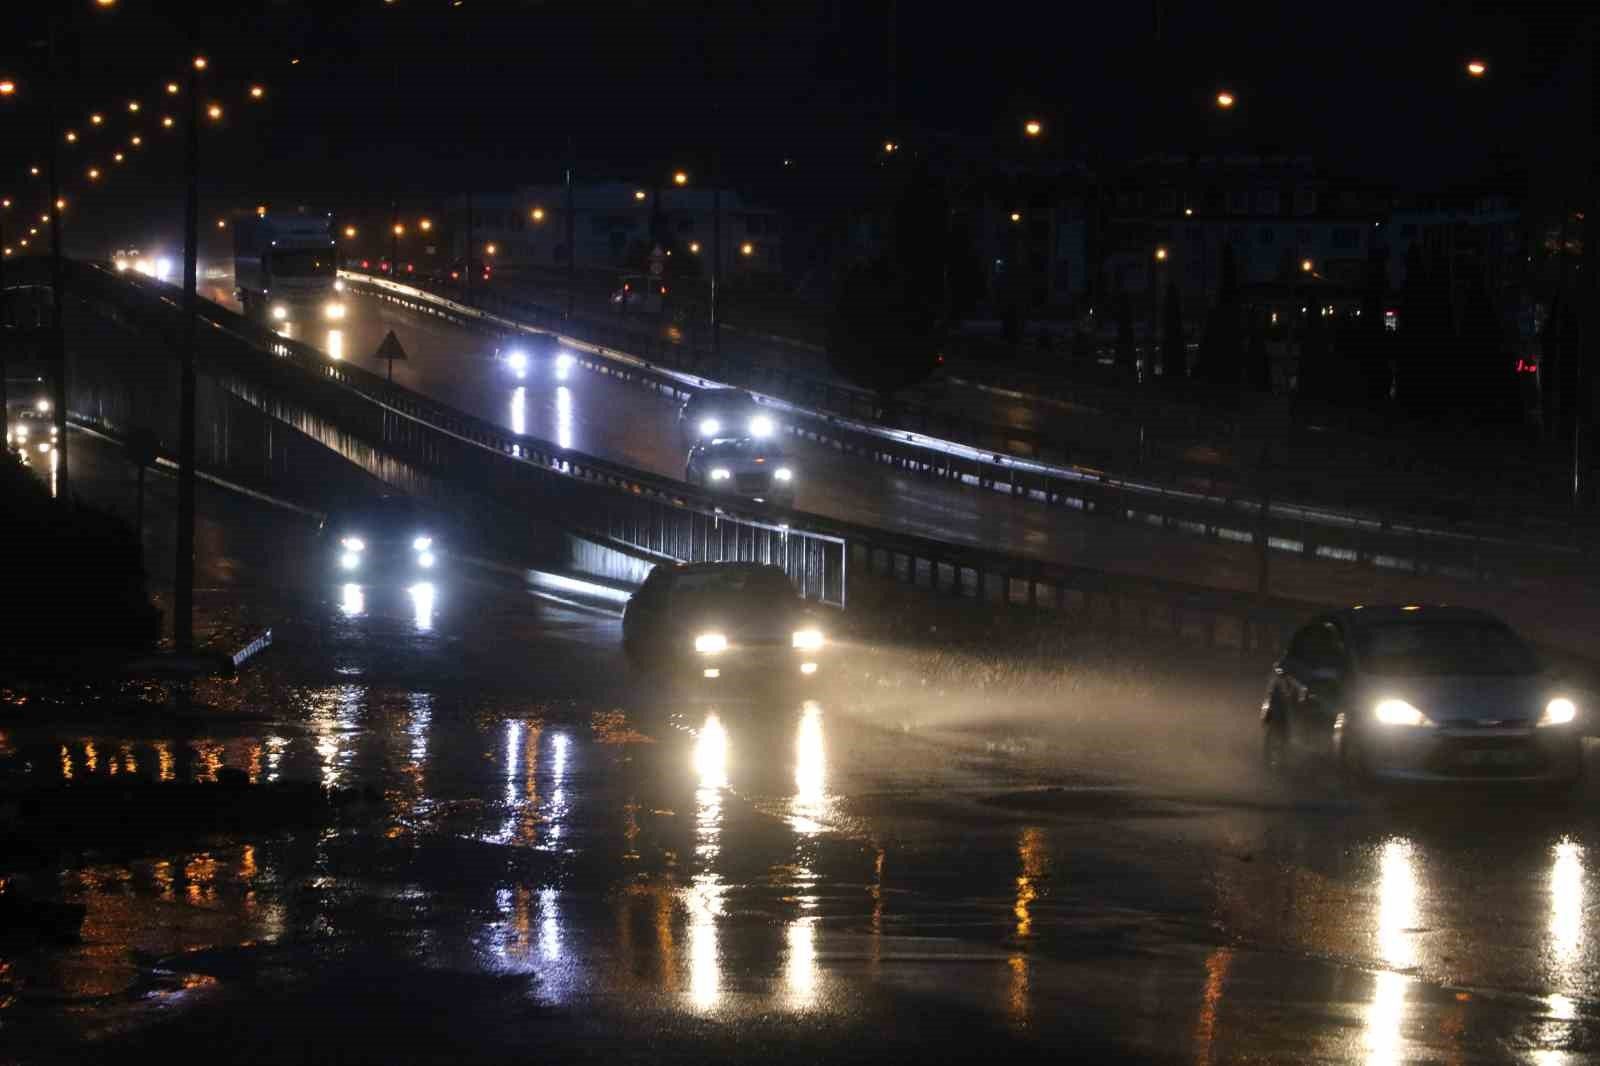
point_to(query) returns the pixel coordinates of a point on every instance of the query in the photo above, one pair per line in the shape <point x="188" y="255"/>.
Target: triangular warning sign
<point x="390" y="348"/>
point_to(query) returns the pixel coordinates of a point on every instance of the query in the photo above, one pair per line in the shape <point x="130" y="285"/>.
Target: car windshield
<point x="765" y="586"/>
<point x="395" y="515"/>
<point x="743" y="449"/>
<point x="302" y="263"/>
<point x="1412" y="649"/>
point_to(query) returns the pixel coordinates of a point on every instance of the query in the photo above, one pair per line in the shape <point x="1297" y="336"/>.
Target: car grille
<point x="753" y="482"/>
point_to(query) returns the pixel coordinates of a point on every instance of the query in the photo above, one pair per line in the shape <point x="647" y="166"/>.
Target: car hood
<point x="745" y="622"/>
<point x="1473" y="701"/>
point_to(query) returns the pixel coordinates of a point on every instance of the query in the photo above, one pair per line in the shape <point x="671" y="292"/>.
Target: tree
<point x="1126" y="355"/>
<point x="1427" y="337"/>
<point x="1220" y="353"/>
<point x="1258" y="364"/>
<point x="1174" y="356"/>
<point x="887" y="321"/>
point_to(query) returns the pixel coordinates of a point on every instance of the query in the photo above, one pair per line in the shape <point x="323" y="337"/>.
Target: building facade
<point x="615" y="225"/>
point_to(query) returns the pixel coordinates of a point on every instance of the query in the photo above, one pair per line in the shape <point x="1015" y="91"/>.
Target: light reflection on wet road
<point x="525" y="807"/>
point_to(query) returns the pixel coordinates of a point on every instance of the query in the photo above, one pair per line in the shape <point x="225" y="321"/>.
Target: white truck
<point x="285" y="268"/>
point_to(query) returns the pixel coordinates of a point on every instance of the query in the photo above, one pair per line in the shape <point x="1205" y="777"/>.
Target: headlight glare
<point x="334" y="311"/>
<point x="425" y="560"/>
<point x="807" y="639"/>
<point x="422" y="544"/>
<point x="517" y="360"/>
<point x="1399" y="712"/>
<point x="761" y="426"/>
<point x="783" y="473"/>
<point x="709" y="427"/>
<point x="710" y="643"/>
<point x="280" y="312"/>
<point x="354" y="544"/>
<point x="1559" y="711"/>
<point x="721" y="473"/>
<point x="349" y="560"/>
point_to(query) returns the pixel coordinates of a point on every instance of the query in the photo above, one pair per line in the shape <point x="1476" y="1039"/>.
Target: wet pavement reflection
<point x="747" y="860"/>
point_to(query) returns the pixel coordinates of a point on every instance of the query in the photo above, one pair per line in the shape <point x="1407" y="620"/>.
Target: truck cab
<point x="285" y="269"/>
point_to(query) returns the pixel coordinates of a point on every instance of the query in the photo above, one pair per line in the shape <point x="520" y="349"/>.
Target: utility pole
<point x="572" y="232"/>
<point x="58" y="343"/>
<point x="716" y="270"/>
<point x="183" y="570"/>
<point x="466" y="266"/>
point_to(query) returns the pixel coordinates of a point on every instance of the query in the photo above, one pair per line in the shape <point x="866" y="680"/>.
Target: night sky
<point x="429" y="99"/>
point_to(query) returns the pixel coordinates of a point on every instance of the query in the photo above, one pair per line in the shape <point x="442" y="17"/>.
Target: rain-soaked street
<point x="543" y="854"/>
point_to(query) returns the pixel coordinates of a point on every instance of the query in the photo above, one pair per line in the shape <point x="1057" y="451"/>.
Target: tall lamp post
<point x="183" y="572"/>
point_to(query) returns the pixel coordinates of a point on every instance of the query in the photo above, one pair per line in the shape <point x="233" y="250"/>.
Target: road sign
<point x="390" y="350"/>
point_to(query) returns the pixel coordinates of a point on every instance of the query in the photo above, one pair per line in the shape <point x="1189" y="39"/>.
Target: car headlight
<point x="761" y="426"/>
<point x="710" y="643"/>
<point x="334" y="311"/>
<point x="517" y="361"/>
<point x="1559" y="711"/>
<point x="44" y="446"/>
<point x="565" y="361"/>
<point x="22" y="432"/>
<point x="425" y="560"/>
<point x="353" y="544"/>
<point x="280" y="312"/>
<point x="783" y="473"/>
<point x="807" y="639"/>
<point x="1399" y="712"/>
<point x="422" y="544"/>
<point x="721" y="473"/>
<point x="338" y="285"/>
<point x="349" y="560"/>
<point x="710" y="427"/>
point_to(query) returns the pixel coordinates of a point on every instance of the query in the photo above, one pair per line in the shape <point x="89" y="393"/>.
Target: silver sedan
<point x="1420" y="694"/>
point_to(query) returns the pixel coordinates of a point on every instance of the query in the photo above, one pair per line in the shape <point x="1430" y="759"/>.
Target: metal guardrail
<point x="646" y="513"/>
<point x="1310" y="532"/>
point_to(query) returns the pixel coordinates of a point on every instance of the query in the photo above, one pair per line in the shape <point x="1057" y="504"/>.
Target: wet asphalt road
<point x="932" y="856"/>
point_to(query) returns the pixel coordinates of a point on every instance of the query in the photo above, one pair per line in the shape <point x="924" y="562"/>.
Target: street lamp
<point x="694" y="247"/>
<point x="257" y="92"/>
<point x="425" y="224"/>
<point x="537" y="214"/>
<point x="96" y="118"/>
<point x="747" y="248"/>
<point x="1016" y="216"/>
<point x="1305" y="266"/>
<point x="1161" y="254"/>
<point x="489" y="249"/>
<point x="350" y="232"/>
<point x="172" y="88"/>
<point x="72" y="137"/>
<point x="1477" y="68"/>
<point x="1033" y="127"/>
<point x="638" y="194"/>
<point x="7" y="87"/>
<point x="214" y="112"/>
<point x="680" y="178"/>
<point x="222" y="223"/>
<point x="399" y="229"/>
<point x="133" y="107"/>
<point x="1225" y="100"/>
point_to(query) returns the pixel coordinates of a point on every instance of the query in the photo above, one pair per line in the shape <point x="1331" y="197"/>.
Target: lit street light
<point x="1477" y="68"/>
<point x="680" y="178"/>
<point x="1016" y="216"/>
<point x="350" y="232"/>
<point x="1161" y="254"/>
<point x="694" y="247"/>
<point x="167" y="122"/>
<point x="1305" y="266"/>
<point x="133" y="106"/>
<point x="638" y="194"/>
<point x="537" y="214"/>
<point x="214" y="111"/>
<point x="172" y="88"/>
<point x="399" y="229"/>
<point x="1225" y="100"/>
<point x="96" y="118"/>
<point x="257" y="92"/>
<point x="747" y="248"/>
<point x="1033" y="127"/>
<point x="490" y="249"/>
<point x="425" y="225"/>
<point x="7" y="87"/>
<point x="222" y="223"/>
<point x="72" y="137"/>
